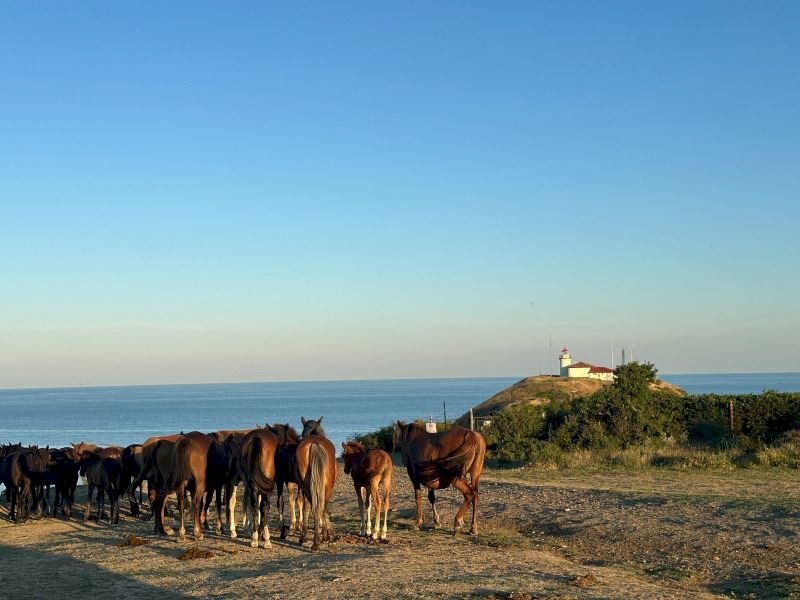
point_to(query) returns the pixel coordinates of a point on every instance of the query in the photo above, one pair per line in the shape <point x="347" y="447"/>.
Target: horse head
<point x="352" y="453"/>
<point x="312" y="427"/>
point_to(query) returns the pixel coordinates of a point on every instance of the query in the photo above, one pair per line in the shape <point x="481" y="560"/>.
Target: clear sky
<point x="237" y="191"/>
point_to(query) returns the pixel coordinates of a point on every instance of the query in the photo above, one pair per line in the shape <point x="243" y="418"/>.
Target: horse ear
<point x="344" y="446"/>
<point x="303" y="420"/>
<point x="319" y="421"/>
<point x="287" y="425"/>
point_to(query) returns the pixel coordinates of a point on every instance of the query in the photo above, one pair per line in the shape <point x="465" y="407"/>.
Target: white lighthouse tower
<point x="565" y="360"/>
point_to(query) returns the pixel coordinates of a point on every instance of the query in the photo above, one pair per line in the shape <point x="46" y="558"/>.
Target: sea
<point x="130" y="414"/>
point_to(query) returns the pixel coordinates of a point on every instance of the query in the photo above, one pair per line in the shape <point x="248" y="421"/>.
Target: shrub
<point x="381" y="439"/>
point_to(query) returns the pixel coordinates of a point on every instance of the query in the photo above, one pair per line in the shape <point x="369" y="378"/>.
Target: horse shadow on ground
<point x="35" y="574"/>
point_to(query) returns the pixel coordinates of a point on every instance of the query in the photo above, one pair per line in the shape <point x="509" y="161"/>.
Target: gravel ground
<point x="662" y="534"/>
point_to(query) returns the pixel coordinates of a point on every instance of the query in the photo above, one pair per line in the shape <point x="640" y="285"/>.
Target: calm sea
<point x="125" y="415"/>
<point x="131" y="414"/>
<point x="735" y="383"/>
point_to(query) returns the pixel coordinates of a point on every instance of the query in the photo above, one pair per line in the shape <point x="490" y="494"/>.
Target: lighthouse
<point x="565" y="360"/>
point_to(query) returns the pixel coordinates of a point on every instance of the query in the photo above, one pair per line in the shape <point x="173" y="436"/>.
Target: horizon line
<point x="354" y="380"/>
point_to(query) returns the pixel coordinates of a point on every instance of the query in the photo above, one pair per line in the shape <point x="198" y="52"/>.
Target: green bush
<point x="381" y="439"/>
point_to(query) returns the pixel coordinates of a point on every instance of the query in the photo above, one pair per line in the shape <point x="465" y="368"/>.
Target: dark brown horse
<point x="369" y="468"/>
<point x="315" y="469"/>
<point x="224" y="475"/>
<point x="132" y="462"/>
<point x="439" y="460"/>
<point x="285" y="475"/>
<point x="258" y="469"/>
<point x="176" y="467"/>
<point x="63" y="473"/>
<point x="102" y="468"/>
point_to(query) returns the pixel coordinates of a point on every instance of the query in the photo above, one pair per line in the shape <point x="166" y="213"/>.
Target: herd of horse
<point x="199" y="468"/>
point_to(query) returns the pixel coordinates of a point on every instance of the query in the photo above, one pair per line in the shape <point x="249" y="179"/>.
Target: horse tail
<point x="113" y="469"/>
<point x="183" y="470"/>
<point x="256" y="477"/>
<point x="148" y="466"/>
<point x="318" y="462"/>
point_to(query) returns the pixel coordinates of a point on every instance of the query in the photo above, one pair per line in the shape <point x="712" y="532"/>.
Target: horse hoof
<point x="315" y="547"/>
<point x="283" y="532"/>
<point x="233" y="535"/>
<point x="267" y="544"/>
<point x="254" y="544"/>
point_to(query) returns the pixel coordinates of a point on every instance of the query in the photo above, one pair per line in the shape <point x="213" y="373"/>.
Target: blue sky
<point x="248" y="191"/>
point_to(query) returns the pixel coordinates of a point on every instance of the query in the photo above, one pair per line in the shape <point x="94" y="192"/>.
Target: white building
<point x="583" y="369"/>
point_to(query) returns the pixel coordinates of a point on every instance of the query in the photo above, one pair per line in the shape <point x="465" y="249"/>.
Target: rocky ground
<point x="657" y="534"/>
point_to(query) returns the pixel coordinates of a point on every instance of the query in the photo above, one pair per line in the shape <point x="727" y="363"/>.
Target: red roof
<point x="592" y="368"/>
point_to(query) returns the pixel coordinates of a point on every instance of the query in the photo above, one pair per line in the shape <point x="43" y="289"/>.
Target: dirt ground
<point x="657" y="534"/>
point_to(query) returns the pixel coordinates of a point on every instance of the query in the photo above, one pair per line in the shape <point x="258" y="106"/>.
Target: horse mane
<point x="358" y="447"/>
<point x="287" y="435"/>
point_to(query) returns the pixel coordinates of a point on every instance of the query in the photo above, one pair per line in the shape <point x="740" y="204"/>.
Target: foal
<point x="369" y="469"/>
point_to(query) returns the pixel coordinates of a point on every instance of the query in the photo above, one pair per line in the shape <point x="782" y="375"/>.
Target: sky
<point x="248" y="191"/>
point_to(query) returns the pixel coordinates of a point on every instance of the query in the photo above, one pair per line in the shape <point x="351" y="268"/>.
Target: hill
<point x="541" y="389"/>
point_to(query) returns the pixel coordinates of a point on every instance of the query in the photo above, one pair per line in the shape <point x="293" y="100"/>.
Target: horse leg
<point x="101" y="501"/>
<point x="181" y="495"/>
<point x="230" y="508"/>
<point x="473" y="529"/>
<point x="418" y="498"/>
<point x="197" y="509"/>
<point x="368" y="501"/>
<point x="437" y="522"/>
<point x="88" y="510"/>
<point x="363" y="529"/>
<point x="247" y="511"/>
<point x="295" y="501"/>
<point x="255" y="500"/>
<point x="319" y="523"/>
<point x="376" y="500"/>
<point x="159" y="510"/>
<point x="218" y="524"/>
<point x="205" y="502"/>
<point x="264" y="527"/>
<point x="387" y="490"/>
<point x="113" y="497"/>
<point x="330" y="535"/>
<point x="280" y="502"/>
<point x="462" y="486"/>
<point x="304" y="519"/>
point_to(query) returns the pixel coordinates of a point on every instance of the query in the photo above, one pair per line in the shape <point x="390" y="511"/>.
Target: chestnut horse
<point x="257" y="464"/>
<point x="439" y="460"/>
<point x="369" y="469"/>
<point x="315" y="469"/>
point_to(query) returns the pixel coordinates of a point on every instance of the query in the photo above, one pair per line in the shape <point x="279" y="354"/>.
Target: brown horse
<point x="369" y="469"/>
<point x="315" y="469"/>
<point x="257" y="464"/>
<point x="439" y="460"/>
<point x="176" y="467"/>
